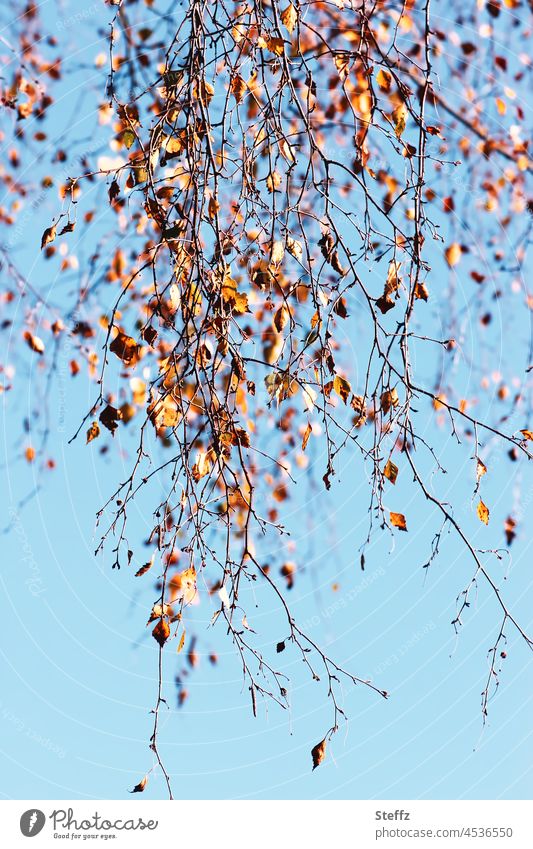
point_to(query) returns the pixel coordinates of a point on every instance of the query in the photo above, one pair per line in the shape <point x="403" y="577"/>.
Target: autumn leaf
<point x="509" y="528"/>
<point x="483" y="512"/>
<point x="146" y="567"/>
<point x="384" y="80"/>
<point x="93" y="432"/>
<point x="481" y="469"/>
<point x="398" y="520"/>
<point x="238" y="87"/>
<point x="391" y="471"/>
<point x="140" y="786"/>
<point x="307" y="434"/>
<point x="527" y="434"/>
<point x="399" y="119"/>
<point x="342" y="387"/>
<point x="289" y="17"/>
<point x="181" y="642"/>
<point x="109" y="418"/>
<point x="34" y="342"/>
<point x="318" y="753"/>
<point x="48" y="236"/>
<point x="161" y="632"/>
<point x="125" y="348"/>
<point x="389" y="399"/>
<point x="453" y="254"/>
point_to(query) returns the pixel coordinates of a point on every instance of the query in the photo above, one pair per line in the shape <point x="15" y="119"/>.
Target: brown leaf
<point x="527" y="434"/>
<point x="36" y="344"/>
<point x="391" y="471"/>
<point x="318" y="753"/>
<point x="109" y="418"/>
<point x="398" y="520"/>
<point x="509" y="528"/>
<point x="140" y="786"/>
<point x="48" y="236"/>
<point x="481" y="469"/>
<point x="93" y="432"/>
<point x="307" y="434"/>
<point x="125" y="348"/>
<point x="238" y="87"/>
<point x="161" y="632"/>
<point x="145" y="568"/>
<point x="483" y="512"/>
<point x="181" y="642"/>
<point x="389" y="399"/>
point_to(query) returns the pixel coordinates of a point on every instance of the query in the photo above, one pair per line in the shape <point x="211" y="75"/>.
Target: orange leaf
<point x="398" y="520"/>
<point x="391" y="471"/>
<point x="318" y="753"/>
<point x="161" y="632"/>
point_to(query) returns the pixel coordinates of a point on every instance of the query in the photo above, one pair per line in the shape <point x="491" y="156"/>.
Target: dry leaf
<point x="93" y="432"/>
<point x="399" y="118"/>
<point x="289" y="17"/>
<point x="481" y="469"/>
<point x="35" y="343"/>
<point x="125" y="348"/>
<point x="161" y="632"/>
<point x="48" y="236"/>
<point x="318" y="753"/>
<point x="453" y="254"/>
<point x="483" y="512"/>
<point x="391" y="471"/>
<point x="307" y="434"/>
<point x="398" y="520"/>
<point x="140" y="786"/>
<point x="342" y="387"/>
<point x="238" y="87"/>
<point x="384" y="80"/>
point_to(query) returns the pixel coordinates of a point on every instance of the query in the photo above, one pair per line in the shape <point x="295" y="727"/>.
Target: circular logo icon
<point x="32" y="822"/>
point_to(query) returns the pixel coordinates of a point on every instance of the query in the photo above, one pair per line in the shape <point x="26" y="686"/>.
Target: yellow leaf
<point x="342" y="387"/>
<point x="453" y="254"/>
<point x="289" y="16"/>
<point x="399" y="118"/>
<point x="384" y="80"/>
<point x="181" y="642"/>
<point x="527" y="434"/>
<point x="483" y="512"/>
<point x="398" y="520"/>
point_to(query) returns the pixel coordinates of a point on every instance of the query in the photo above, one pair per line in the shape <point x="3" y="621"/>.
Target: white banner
<point x="276" y="825"/>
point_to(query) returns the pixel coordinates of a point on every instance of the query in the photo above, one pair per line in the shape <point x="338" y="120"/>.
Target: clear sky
<point x="78" y="665"/>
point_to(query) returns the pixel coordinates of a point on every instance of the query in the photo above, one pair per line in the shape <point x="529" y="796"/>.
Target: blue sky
<point x="78" y="665"/>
